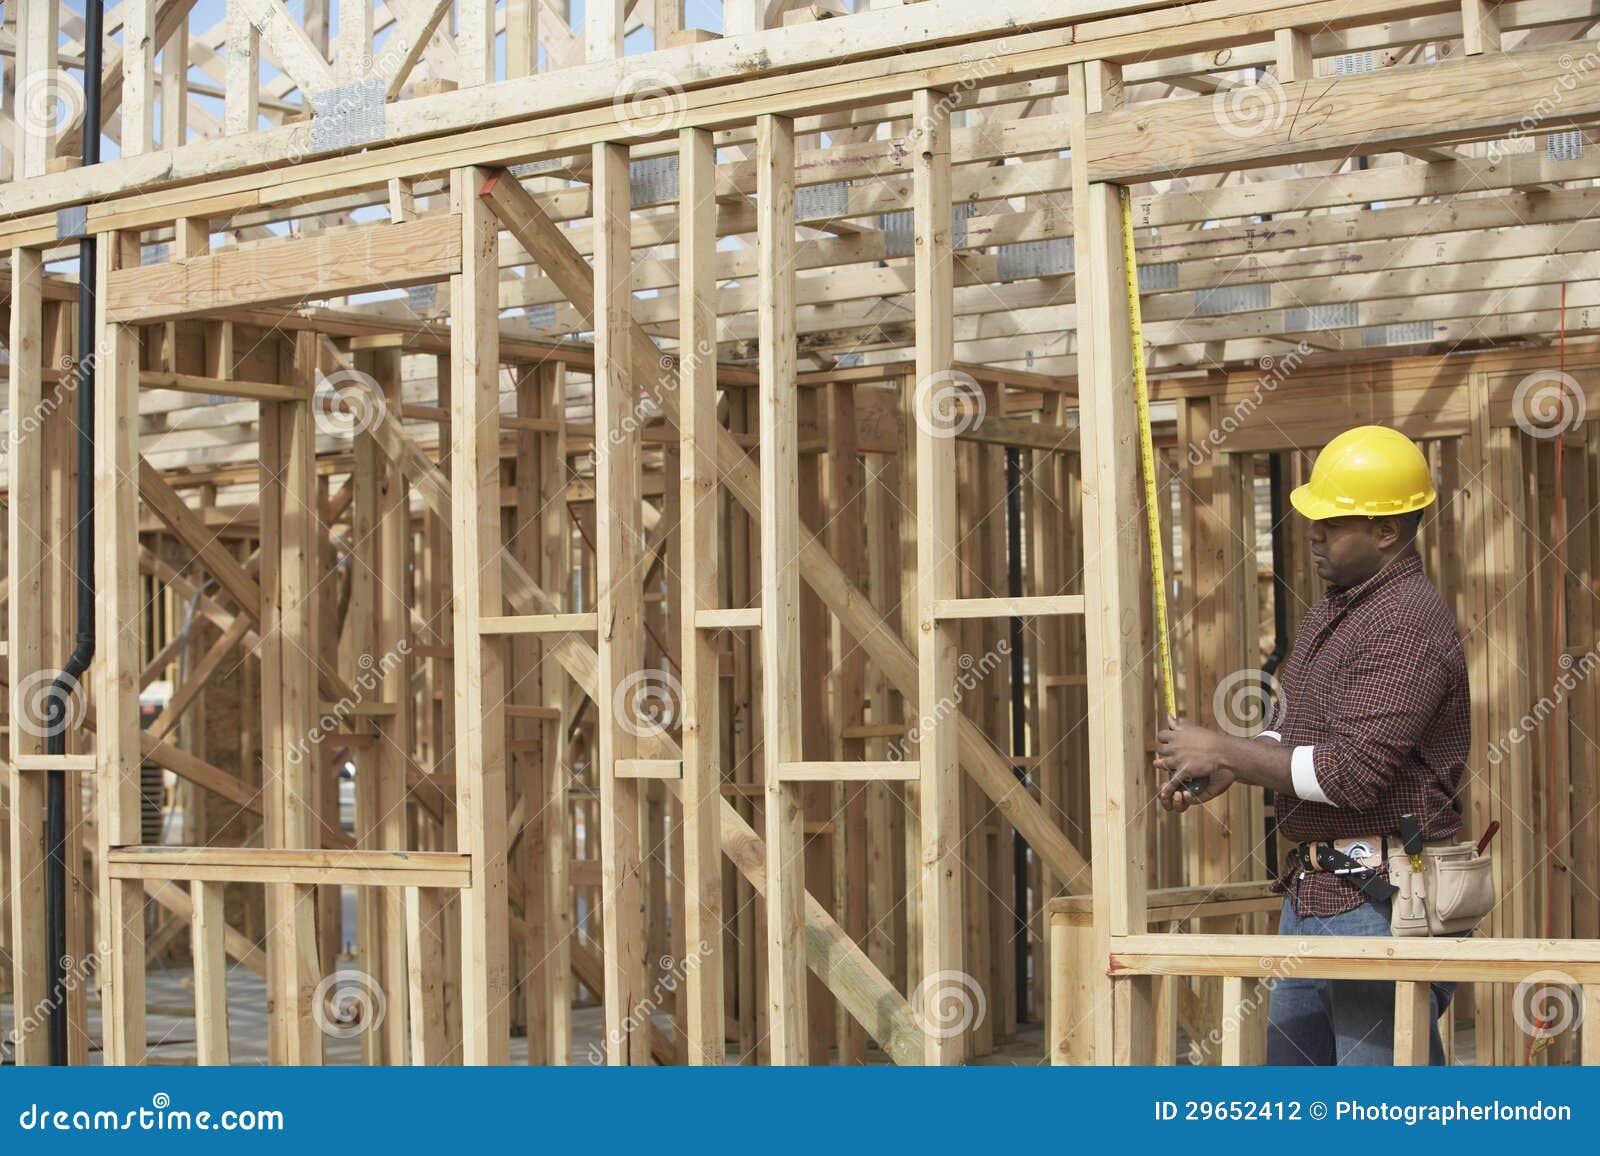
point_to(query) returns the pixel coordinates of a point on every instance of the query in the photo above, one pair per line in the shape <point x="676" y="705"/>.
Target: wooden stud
<point x="1480" y="26"/>
<point x="25" y="556"/>
<point x="780" y="594"/>
<point x="1111" y="589"/>
<point x="480" y="661"/>
<point x="1294" y="55"/>
<point x="1413" y="1021"/>
<point x="605" y="24"/>
<point x="700" y="585"/>
<point x="937" y="542"/>
<point x="619" y="536"/>
<point x="425" y="931"/>
<point x="121" y="928"/>
<point x="208" y="927"/>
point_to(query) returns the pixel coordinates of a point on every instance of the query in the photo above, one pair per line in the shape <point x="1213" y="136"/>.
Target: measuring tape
<point x="1147" y="458"/>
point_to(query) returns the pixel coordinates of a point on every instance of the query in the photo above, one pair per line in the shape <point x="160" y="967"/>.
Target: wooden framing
<point x="650" y="581"/>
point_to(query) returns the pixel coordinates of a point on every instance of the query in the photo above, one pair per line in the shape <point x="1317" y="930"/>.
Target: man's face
<point x="1348" y="551"/>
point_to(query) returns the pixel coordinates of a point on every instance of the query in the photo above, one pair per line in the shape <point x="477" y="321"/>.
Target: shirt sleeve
<point x="1387" y="697"/>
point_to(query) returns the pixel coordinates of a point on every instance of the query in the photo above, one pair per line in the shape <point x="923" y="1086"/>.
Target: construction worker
<point x="1370" y="734"/>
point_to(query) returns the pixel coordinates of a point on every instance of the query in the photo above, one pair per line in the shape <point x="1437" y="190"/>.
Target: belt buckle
<point x="1356" y="851"/>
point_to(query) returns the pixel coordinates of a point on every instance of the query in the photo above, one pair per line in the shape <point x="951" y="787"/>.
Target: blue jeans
<point x="1344" y="1021"/>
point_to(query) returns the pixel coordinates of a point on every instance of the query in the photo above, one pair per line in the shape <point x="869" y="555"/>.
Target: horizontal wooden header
<point x="363" y="259"/>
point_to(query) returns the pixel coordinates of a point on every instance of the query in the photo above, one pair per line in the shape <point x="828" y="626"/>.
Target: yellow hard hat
<point x="1370" y="470"/>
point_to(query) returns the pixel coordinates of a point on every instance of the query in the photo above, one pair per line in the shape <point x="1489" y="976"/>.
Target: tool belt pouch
<point x="1450" y="895"/>
<point x="1460" y="886"/>
<point x="1408" y="912"/>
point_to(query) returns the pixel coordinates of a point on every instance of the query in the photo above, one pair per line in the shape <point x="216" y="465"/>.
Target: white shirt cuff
<point x="1303" y="766"/>
<point x="1273" y="735"/>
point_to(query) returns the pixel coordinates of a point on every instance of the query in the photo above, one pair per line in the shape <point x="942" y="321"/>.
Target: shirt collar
<point x="1408" y="563"/>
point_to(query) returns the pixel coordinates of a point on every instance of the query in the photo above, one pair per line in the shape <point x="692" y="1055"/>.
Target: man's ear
<point x="1385" y="532"/>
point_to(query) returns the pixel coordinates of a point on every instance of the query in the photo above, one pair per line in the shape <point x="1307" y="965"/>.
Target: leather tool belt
<point x="1358" y="860"/>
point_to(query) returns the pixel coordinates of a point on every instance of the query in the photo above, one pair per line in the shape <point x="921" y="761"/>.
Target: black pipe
<point x="1019" y="723"/>
<point x="66" y="683"/>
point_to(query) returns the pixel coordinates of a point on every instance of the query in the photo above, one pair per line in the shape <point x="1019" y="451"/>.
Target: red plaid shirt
<point x="1376" y="684"/>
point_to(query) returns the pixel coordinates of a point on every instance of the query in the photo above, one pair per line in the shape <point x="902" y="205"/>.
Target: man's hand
<point x="1187" y="752"/>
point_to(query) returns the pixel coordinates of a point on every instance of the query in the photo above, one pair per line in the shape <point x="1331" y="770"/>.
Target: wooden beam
<point x="208" y="934"/>
<point x="480" y="661"/>
<point x="25" y="617"/>
<point x="291" y="738"/>
<point x="292" y="270"/>
<point x="1379" y="111"/>
<point x="938" y="559"/>
<point x="700" y="586"/>
<point x="1413" y="1021"/>
<point x="117" y="604"/>
<point x="780" y="594"/>
<point x="619" y="602"/>
<point x="1118" y="788"/>
<point x="345" y="868"/>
